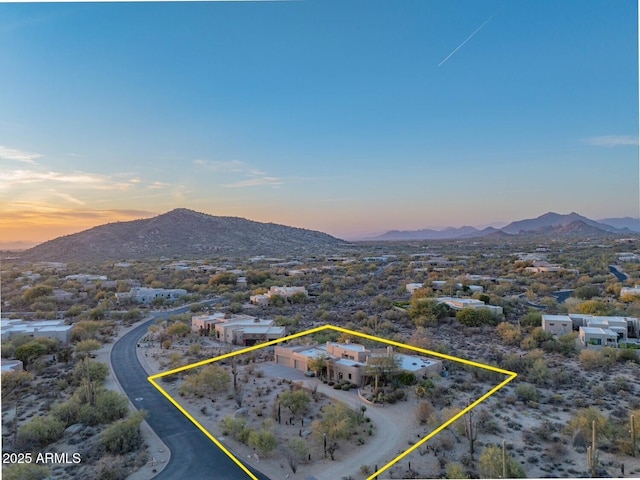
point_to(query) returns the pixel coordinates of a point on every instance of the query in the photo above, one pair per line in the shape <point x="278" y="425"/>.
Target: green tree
<point x="338" y="422"/>
<point x="224" y="278"/>
<point x="30" y="352"/>
<point x="491" y="464"/>
<point x="318" y="364"/>
<point x="594" y="307"/>
<point x="296" y="401"/>
<point x="85" y="347"/>
<point x="296" y="452"/>
<point x="381" y="368"/>
<point x="178" y="329"/>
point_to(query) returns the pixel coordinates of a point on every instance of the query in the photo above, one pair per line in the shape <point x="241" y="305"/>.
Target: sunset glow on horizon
<point x="351" y="118"/>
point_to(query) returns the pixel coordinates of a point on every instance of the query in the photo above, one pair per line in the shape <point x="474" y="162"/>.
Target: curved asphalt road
<point x="193" y="455"/>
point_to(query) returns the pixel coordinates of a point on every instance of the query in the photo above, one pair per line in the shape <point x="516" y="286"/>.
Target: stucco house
<point x="412" y="287"/>
<point x="55" y="329"/>
<point x="351" y="361"/>
<point x="285" y="292"/>
<point x="597" y="337"/>
<point x="237" y="329"/>
<point x="459" y="303"/>
<point x="148" y="295"/>
<point x="557" y="324"/>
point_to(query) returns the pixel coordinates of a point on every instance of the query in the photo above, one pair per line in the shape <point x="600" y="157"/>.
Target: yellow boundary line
<point x="511" y="376"/>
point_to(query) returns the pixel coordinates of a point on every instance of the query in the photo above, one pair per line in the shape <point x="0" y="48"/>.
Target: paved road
<point x="620" y="275"/>
<point x="193" y="455"/>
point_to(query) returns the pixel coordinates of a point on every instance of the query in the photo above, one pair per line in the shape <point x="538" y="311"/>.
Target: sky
<point x="349" y="117"/>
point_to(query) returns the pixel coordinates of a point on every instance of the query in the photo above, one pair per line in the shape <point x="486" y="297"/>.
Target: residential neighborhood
<point x="553" y="328"/>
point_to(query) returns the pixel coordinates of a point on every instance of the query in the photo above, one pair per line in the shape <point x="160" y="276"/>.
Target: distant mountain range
<point x="182" y="233"/>
<point x="549" y="225"/>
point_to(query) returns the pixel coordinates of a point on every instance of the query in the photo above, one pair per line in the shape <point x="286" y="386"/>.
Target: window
<point x="349" y="376"/>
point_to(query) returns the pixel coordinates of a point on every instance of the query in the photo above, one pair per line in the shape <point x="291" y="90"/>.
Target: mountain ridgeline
<point x="550" y="225"/>
<point x="182" y="233"/>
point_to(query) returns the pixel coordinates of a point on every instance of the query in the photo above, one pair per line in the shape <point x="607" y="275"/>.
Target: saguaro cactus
<point x="633" y="436"/>
<point x="592" y="452"/>
<point x="470" y="431"/>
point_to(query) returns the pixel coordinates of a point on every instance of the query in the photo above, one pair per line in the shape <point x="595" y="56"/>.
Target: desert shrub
<point x="424" y="410"/>
<point x="209" y="380"/>
<point x="107" y="407"/>
<point x="456" y="470"/>
<point x="490" y="464"/>
<point x="235" y="428"/>
<point x="579" y="426"/>
<point x="627" y="355"/>
<point x="531" y="319"/>
<point x="527" y="393"/>
<point x="538" y="372"/>
<point x="25" y="471"/>
<point x="40" y="431"/>
<point x="123" y="436"/>
<point x="475" y="317"/>
<point x="538" y="338"/>
<point x="509" y="334"/>
<point x="263" y="441"/>
<point x="593" y="359"/>
<point x="87" y="369"/>
<point x="112" y="467"/>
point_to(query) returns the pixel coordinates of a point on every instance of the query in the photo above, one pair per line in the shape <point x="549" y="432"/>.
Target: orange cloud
<point x="36" y="223"/>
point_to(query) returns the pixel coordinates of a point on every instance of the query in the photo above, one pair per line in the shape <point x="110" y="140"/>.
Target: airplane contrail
<point x="466" y="40"/>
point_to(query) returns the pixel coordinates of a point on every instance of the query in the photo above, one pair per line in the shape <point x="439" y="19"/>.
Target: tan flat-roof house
<point x="237" y="329"/>
<point x="460" y="303"/>
<point x="351" y="361"/>
<point x="597" y="337"/>
<point x="285" y="292"/>
<point x="557" y="324"/>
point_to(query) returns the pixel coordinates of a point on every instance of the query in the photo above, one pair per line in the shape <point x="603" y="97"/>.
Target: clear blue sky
<point x="350" y="117"/>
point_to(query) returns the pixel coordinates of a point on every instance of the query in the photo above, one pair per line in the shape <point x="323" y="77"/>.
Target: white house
<point x="597" y="337"/>
<point x="412" y="287"/>
<point x="37" y="328"/>
<point x="630" y="291"/>
<point x="285" y="292"/>
<point x="460" y="303"/>
<point x="85" y="277"/>
<point x="148" y="295"/>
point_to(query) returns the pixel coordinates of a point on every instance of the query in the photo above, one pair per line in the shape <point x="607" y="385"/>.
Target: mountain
<point x="550" y="224"/>
<point x="182" y="233"/>
<point x="631" y="223"/>
<point x="427" y="234"/>
<point x="552" y="219"/>
<point x="577" y="228"/>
